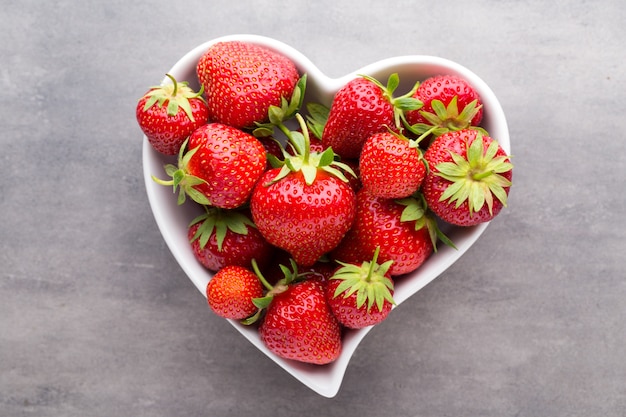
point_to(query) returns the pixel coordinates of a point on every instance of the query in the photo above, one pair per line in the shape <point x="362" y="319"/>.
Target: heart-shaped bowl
<point x="173" y="219"/>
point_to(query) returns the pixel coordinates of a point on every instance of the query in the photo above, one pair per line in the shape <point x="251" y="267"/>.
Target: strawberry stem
<point x="373" y="264"/>
<point x="257" y="271"/>
<point x="482" y="175"/>
<point x="171" y="77"/>
<point x="307" y="139"/>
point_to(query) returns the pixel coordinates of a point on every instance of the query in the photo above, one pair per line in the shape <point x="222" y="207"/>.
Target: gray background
<point x="97" y="319"/>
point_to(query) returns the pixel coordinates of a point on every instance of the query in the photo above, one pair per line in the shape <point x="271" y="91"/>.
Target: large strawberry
<point x="298" y="323"/>
<point x="169" y="113"/>
<point x="404" y="230"/>
<point x="361" y="295"/>
<point x="361" y="108"/>
<point x="469" y="178"/>
<point x="227" y="237"/>
<point x="231" y="291"/>
<point x="449" y="103"/>
<point x="306" y="206"/>
<point x="391" y="165"/>
<point x="242" y="80"/>
<point x="220" y="167"/>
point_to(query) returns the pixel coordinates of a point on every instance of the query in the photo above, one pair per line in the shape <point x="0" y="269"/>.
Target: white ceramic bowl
<point x="172" y="219"/>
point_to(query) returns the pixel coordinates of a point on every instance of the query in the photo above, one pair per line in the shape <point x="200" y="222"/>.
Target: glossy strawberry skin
<point x="166" y="133"/>
<point x="389" y="167"/>
<point x="231" y="290"/>
<point x="229" y="160"/>
<point x="299" y="325"/>
<point x="241" y="80"/>
<point x="444" y="88"/>
<point x="305" y="220"/>
<point x="377" y="224"/>
<point x="359" y="109"/>
<point x="348" y="314"/>
<point x="237" y="249"/>
<point x="434" y="186"/>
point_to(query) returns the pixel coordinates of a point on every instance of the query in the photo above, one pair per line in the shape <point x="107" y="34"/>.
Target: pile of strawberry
<point x="312" y="212"/>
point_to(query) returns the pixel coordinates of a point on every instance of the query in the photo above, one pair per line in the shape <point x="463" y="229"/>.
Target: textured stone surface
<point x="97" y="319"/>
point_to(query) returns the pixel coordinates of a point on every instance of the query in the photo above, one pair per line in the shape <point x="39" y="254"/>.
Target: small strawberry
<point x="220" y="168"/>
<point x="220" y="238"/>
<point x="403" y="230"/>
<point x="169" y="113"/>
<point x="231" y="290"/>
<point x="450" y="103"/>
<point x="361" y="295"/>
<point x="306" y="206"/>
<point x="391" y="165"/>
<point x="469" y="179"/>
<point x="242" y="80"/>
<point x="361" y="108"/>
<point x="298" y="323"/>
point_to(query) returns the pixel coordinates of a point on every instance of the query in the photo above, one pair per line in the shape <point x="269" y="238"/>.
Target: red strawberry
<point x="306" y="206"/>
<point x="469" y="179"/>
<point x="391" y="166"/>
<point x="361" y="295"/>
<point x="361" y="108"/>
<point x="402" y="229"/>
<point x="227" y="237"/>
<point x="450" y="103"/>
<point x="242" y="80"/>
<point x="231" y="290"/>
<point x="299" y="325"/>
<point x="221" y="167"/>
<point x="169" y="113"/>
<point x="307" y="220"/>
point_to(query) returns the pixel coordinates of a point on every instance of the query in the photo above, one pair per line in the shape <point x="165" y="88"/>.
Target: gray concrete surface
<point x="97" y="319"/>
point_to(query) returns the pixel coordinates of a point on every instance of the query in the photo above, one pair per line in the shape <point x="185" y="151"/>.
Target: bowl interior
<point x="173" y="219"/>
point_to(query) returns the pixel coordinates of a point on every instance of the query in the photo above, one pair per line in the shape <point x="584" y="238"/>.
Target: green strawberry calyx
<point x="290" y="276"/>
<point x="277" y="115"/>
<point x="305" y="161"/>
<point x="218" y="222"/>
<point x="369" y="281"/>
<point x="477" y="178"/>
<point x="181" y="180"/>
<point x="401" y="104"/>
<point x="444" y="118"/>
<point x="416" y="210"/>
<point x="176" y="95"/>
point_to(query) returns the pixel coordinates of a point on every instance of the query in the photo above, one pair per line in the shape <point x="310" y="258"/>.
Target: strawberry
<point x="306" y="206"/>
<point x="169" y="113"/>
<point x="242" y="80"/>
<point x="220" y="168"/>
<point x="469" y="179"/>
<point x="449" y="103"/>
<point x="391" y="166"/>
<point x="403" y="230"/>
<point x="361" y="295"/>
<point x="227" y="237"/>
<point x="361" y="108"/>
<point x="231" y="290"/>
<point x="298" y="323"/>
